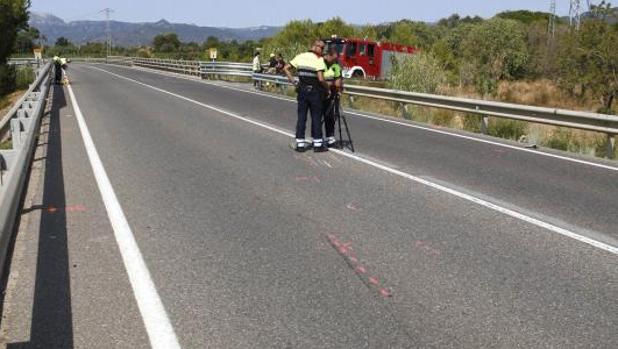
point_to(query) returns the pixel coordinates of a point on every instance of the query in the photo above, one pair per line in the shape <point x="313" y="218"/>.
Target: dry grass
<point x="7" y="101"/>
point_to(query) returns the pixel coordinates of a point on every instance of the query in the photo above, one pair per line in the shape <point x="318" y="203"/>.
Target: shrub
<point x="504" y="128"/>
<point x="24" y="77"/>
<point x="421" y="72"/>
<point x="7" y="79"/>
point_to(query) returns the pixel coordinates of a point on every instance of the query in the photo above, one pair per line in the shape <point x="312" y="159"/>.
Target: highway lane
<point x="252" y="245"/>
<point x="574" y="196"/>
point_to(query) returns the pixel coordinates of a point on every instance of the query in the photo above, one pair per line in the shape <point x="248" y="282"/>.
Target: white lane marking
<point x="406" y="124"/>
<point x="160" y="331"/>
<point x="467" y="197"/>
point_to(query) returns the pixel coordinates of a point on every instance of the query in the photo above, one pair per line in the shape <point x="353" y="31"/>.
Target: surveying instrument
<point x="335" y="108"/>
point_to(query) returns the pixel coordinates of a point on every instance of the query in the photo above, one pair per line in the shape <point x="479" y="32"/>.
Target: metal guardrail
<point x="171" y="65"/>
<point x="22" y="122"/>
<point x="214" y="69"/>
<point x="588" y="121"/>
<point x="25" y="61"/>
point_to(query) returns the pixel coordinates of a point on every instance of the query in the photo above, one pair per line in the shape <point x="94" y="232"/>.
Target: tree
<point x="589" y="62"/>
<point x="62" y="42"/>
<point x="334" y="26"/>
<point x="166" y="42"/>
<point x="368" y="32"/>
<point x="211" y="42"/>
<point x="525" y="16"/>
<point x="13" y="18"/>
<point x="497" y="51"/>
<point x="26" y="40"/>
<point x="294" y="38"/>
<point x="417" y="34"/>
<point x="449" y="51"/>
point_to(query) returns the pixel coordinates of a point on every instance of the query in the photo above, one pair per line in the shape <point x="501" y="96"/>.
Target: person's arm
<point x="339" y="84"/>
<point x="323" y="81"/>
<point x="288" y="72"/>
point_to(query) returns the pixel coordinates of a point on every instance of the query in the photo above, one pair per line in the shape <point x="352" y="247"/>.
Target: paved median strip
<point x="160" y="331"/>
<point x="484" y="203"/>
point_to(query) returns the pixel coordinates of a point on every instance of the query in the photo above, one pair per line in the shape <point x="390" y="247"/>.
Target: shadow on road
<point x="51" y="313"/>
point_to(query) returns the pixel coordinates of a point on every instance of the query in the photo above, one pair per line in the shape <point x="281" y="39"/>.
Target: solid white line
<point x="467" y="197"/>
<point x="400" y="123"/>
<point x="160" y="331"/>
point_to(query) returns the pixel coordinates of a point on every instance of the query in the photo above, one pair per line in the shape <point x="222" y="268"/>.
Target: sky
<point x="232" y="13"/>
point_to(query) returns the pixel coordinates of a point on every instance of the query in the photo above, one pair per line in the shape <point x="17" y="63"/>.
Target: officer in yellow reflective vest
<point x="334" y="78"/>
<point x="311" y="88"/>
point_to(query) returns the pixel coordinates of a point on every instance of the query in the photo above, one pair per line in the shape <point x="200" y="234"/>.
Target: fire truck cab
<point x="367" y="59"/>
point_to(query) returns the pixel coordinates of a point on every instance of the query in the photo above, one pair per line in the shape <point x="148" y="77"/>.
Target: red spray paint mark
<point x="73" y="208"/>
<point x="346" y="251"/>
<point x="385" y="292"/>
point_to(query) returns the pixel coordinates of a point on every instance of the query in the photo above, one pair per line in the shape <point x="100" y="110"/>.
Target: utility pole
<point x="551" y="30"/>
<point x="576" y="11"/>
<point x="108" y="30"/>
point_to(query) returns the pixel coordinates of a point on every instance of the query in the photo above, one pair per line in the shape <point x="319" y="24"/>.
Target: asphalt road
<point x="251" y="245"/>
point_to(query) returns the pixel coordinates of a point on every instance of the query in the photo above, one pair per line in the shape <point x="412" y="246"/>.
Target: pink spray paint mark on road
<point x="75" y="208"/>
<point x="385" y="292"/>
<point x="72" y="208"/>
<point x="346" y="251"/>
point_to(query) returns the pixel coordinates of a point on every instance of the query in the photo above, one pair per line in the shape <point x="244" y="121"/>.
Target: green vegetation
<point x="13" y="18"/>
<point x="421" y="72"/>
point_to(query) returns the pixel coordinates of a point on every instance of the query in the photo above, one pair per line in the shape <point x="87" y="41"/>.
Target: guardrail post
<point x="484" y="124"/>
<point x="611" y="146"/>
<point x="17" y="130"/>
<point x="3" y="166"/>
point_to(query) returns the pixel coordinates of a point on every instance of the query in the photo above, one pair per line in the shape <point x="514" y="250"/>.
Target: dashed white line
<point x="160" y="331"/>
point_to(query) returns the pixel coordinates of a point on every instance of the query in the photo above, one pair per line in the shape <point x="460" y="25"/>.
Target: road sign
<point x="213" y="53"/>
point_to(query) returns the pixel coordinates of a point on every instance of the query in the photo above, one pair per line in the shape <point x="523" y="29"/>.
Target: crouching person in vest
<point x="311" y="89"/>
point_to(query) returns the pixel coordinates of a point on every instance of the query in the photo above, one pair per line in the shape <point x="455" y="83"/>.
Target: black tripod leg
<point x="347" y="130"/>
<point x="340" y="134"/>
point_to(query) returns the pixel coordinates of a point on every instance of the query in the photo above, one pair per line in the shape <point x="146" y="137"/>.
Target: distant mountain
<point x="133" y="34"/>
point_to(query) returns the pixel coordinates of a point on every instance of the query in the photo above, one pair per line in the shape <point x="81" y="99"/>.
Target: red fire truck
<point x="367" y="59"/>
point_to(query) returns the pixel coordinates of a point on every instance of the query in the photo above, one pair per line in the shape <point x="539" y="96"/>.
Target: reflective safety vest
<point x="333" y="72"/>
<point x="308" y="64"/>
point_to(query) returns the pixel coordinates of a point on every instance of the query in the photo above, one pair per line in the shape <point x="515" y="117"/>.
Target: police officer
<point x="57" y="69"/>
<point x="311" y="90"/>
<point x="334" y="78"/>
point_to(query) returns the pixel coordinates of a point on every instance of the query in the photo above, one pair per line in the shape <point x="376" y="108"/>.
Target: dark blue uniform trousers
<point x="309" y="99"/>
